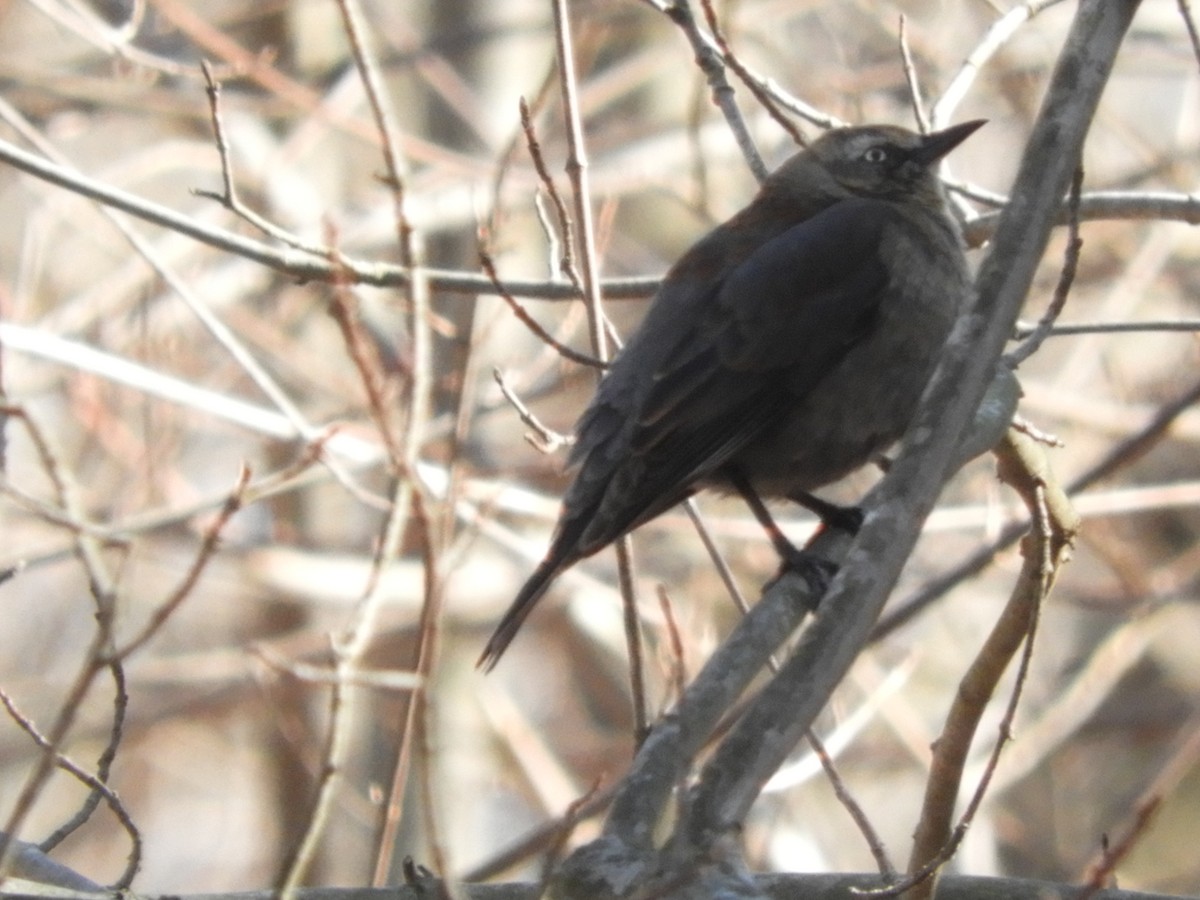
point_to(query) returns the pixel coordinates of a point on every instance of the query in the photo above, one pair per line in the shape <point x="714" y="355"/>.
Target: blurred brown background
<point x="226" y="724"/>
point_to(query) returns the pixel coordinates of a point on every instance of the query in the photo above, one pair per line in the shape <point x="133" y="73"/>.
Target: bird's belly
<point x="826" y="437"/>
<point x="853" y="414"/>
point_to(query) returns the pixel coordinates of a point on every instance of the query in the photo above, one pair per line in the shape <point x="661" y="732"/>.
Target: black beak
<point x="936" y="145"/>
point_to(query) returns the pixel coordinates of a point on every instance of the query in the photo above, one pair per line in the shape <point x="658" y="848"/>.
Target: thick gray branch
<point x="786" y="708"/>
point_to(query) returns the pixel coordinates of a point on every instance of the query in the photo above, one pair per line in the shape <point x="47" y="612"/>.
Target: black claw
<point x="844" y="518"/>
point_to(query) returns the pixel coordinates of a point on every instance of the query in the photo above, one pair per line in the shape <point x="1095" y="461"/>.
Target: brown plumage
<point x="785" y="349"/>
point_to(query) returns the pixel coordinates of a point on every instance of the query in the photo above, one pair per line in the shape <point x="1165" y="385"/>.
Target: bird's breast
<point x="865" y="401"/>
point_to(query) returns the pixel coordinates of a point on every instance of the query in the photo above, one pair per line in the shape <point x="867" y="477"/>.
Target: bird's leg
<point x="815" y="570"/>
<point x="845" y="518"/>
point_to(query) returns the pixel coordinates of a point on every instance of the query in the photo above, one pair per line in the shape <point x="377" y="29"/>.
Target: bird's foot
<point x="816" y="571"/>
<point x="844" y="518"/>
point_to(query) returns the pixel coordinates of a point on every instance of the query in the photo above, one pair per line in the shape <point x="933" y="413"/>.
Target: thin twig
<point x="761" y="94"/>
<point x="97" y="658"/>
<point x="408" y="497"/>
<point x="995" y="38"/>
<point x="709" y="59"/>
<point x="1102" y="872"/>
<point x="1066" y="278"/>
<point x="97" y="787"/>
<point x="305" y="267"/>
<point x="677" y="675"/>
<point x="346" y="312"/>
<point x="103" y="770"/>
<point x="382" y="680"/>
<point x="1023" y="465"/>
<point x="544" y="439"/>
<point x="523" y="316"/>
<point x="577" y="171"/>
<point x="576" y="812"/>
<point x="1189" y="21"/>
<point x="566" y="259"/>
<point x="1025" y="329"/>
<point x="1115" y="458"/>
<point x="1179" y="766"/>
<point x="842" y="791"/>
<point x="228" y="196"/>
<point x="910" y="78"/>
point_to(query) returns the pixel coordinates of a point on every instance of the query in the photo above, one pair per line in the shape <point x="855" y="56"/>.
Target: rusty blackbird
<point x="788" y="347"/>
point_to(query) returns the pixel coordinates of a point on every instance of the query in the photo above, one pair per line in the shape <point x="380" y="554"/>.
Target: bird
<point x="785" y="349"/>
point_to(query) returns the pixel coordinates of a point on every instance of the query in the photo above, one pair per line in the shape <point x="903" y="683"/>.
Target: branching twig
<point x="1024" y="467"/>
<point x="577" y="171"/>
<point x="710" y="61"/>
<point x="523" y="316"/>
<point x="228" y="196"/>
<point x="760" y="92"/>
<point x="1125" y="452"/>
<point x="566" y="259"/>
<point x="1125" y="205"/>
<point x="97" y="787"/>
<point x="1065" y="279"/>
<point x="544" y="439"/>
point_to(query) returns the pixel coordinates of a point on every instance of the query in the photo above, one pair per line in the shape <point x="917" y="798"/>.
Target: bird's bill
<point x="936" y="145"/>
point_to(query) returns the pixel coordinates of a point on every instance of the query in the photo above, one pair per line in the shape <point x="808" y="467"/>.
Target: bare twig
<point x="1060" y="329"/>
<point x="208" y="548"/>
<point x="710" y="61"/>
<point x="852" y="806"/>
<point x="346" y="312"/>
<point x="97" y="787"/>
<point x="523" y="316"/>
<point x="1189" y="21"/>
<point x="1126" y="205"/>
<point x="1065" y="279"/>
<point x="544" y="439"/>
<point x="677" y="675"/>
<point x="1125" y="452"/>
<point x="1165" y="784"/>
<point x="97" y="657"/>
<point x="997" y="36"/>
<point x="576" y="812"/>
<point x="577" y="171"/>
<point x="759" y="91"/>
<point x="910" y="77"/>
<point x="228" y="196"/>
<point x="566" y="259"/>
<point x="1102" y="871"/>
<point x="1024" y="466"/>
<point x="409" y="500"/>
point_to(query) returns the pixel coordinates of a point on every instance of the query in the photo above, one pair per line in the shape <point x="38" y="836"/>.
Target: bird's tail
<point x="529" y="594"/>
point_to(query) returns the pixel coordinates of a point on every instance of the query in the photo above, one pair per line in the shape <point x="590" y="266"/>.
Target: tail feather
<point x="579" y="533"/>
<point x="529" y="595"/>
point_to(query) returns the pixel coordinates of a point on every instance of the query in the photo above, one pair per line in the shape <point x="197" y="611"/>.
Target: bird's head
<point x="887" y="162"/>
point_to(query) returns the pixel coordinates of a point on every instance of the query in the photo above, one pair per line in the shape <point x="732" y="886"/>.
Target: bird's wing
<point x="778" y="323"/>
<point x="728" y="361"/>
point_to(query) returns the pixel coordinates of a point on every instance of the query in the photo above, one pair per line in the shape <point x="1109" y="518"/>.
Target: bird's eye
<point x="875" y="155"/>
